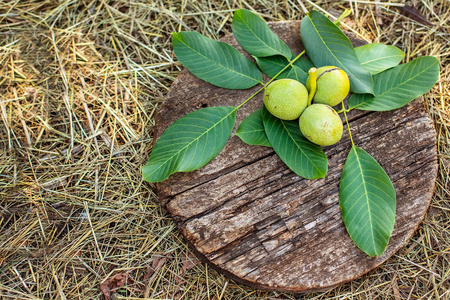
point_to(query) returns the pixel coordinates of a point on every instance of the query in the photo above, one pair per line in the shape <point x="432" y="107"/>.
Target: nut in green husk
<point x="286" y="98"/>
<point x="320" y="124"/>
<point x="333" y="85"/>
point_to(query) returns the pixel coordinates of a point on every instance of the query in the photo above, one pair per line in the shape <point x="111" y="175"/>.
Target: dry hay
<point x="80" y="83"/>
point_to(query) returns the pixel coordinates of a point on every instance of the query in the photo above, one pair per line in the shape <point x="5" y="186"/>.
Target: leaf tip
<point x="175" y="36"/>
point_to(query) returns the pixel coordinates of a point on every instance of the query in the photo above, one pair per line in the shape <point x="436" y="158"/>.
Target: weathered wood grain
<point x="250" y="217"/>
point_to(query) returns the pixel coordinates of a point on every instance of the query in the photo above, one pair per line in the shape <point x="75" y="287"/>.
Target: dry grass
<point x="80" y="83"/>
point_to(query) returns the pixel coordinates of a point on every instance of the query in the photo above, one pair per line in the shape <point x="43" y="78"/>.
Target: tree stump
<point x="251" y="218"/>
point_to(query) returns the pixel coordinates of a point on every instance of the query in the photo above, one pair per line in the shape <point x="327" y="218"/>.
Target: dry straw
<point x="80" y="83"/>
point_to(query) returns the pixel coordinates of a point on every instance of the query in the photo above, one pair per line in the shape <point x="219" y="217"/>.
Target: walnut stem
<point x="312" y="83"/>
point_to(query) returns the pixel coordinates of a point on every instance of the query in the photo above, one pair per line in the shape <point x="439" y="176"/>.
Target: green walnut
<point x="286" y="99"/>
<point x="332" y="85"/>
<point x="320" y="124"/>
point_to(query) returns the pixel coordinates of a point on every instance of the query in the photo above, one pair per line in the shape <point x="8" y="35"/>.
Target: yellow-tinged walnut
<point x="333" y="85"/>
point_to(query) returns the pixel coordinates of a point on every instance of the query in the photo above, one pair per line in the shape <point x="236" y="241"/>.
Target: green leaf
<point x="400" y="85"/>
<point x="251" y="130"/>
<point x="274" y="64"/>
<point x="253" y="34"/>
<point x="215" y="62"/>
<point x="367" y="201"/>
<point x="327" y="45"/>
<point x="190" y="142"/>
<point x="303" y="157"/>
<point x="376" y="58"/>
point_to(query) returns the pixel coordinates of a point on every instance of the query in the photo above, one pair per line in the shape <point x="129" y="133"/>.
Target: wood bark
<point x="250" y="217"/>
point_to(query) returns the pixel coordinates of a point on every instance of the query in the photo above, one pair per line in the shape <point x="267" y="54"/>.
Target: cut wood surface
<point x="250" y="217"/>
